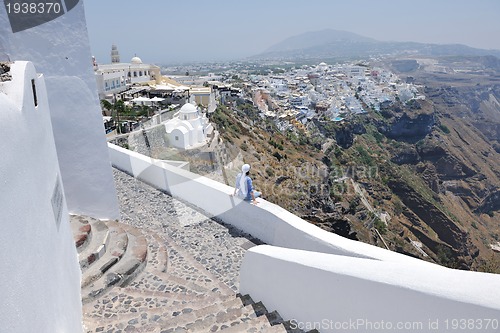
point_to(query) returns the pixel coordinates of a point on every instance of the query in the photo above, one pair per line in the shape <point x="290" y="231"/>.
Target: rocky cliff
<point x="421" y="178"/>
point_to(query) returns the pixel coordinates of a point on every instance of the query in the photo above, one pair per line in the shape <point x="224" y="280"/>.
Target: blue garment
<point x="245" y="196"/>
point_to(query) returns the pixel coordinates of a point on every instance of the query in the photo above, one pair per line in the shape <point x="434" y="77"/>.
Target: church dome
<point x="188" y="108"/>
<point x="136" y="60"/>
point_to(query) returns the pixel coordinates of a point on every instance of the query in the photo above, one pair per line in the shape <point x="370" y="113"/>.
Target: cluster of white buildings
<point x="120" y="78"/>
<point x="140" y="83"/>
<point x="333" y="91"/>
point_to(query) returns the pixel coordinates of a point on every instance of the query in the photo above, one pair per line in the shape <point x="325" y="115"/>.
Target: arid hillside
<point x="421" y="178"/>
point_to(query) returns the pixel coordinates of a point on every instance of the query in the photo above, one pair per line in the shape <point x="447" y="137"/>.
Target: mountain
<point x="317" y="39"/>
<point x="342" y="44"/>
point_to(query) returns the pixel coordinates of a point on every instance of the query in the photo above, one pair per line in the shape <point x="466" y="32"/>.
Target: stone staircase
<point x="142" y="280"/>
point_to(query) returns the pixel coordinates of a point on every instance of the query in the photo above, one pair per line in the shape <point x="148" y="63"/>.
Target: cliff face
<point x="448" y="233"/>
<point x="439" y="168"/>
<point x="406" y="128"/>
<point x="429" y="169"/>
<point x="453" y="194"/>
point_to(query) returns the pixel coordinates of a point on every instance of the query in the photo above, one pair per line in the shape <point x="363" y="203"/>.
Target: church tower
<point x="115" y="55"/>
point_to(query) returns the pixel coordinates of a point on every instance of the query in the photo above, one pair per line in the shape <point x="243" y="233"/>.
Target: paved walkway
<point x="192" y="261"/>
<point x="165" y="268"/>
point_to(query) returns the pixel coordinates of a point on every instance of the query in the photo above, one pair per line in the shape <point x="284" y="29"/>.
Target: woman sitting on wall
<point x="243" y="187"/>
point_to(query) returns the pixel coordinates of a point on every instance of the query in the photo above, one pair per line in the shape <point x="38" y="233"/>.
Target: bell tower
<point x="115" y="55"/>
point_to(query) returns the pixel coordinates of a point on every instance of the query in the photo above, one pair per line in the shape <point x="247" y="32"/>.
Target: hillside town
<point x="291" y="97"/>
<point x="332" y="92"/>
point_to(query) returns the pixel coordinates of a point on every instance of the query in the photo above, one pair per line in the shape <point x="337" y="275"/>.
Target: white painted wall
<point x="266" y="221"/>
<point x="112" y="82"/>
<point x="60" y="49"/>
<point x="344" y="294"/>
<point x="39" y="271"/>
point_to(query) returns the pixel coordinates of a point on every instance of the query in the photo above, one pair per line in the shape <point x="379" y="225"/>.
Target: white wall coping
<point x="332" y="291"/>
<point x="459" y="285"/>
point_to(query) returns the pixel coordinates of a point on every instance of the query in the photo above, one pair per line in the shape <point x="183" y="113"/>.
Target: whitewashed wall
<point x="344" y="294"/>
<point x="39" y="271"/>
<point x="60" y="50"/>
<point x="266" y="221"/>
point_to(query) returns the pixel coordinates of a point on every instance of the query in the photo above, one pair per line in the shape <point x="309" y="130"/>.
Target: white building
<point x="189" y="129"/>
<point x="39" y="274"/>
<point x="116" y="77"/>
<point x="322" y="67"/>
<point x="354" y="71"/>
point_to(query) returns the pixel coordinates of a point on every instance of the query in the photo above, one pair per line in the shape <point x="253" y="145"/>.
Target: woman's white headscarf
<point x="243" y="180"/>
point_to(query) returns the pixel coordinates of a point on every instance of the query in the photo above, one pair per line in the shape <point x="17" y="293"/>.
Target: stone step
<point x="207" y="297"/>
<point x="201" y="317"/>
<point x="246" y="299"/>
<point x="291" y="328"/>
<point x="165" y="284"/>
<point x="258" y="324"/>
<point x="274" y="318"/>
<point x="279" y="328"/>
<point x="259" y="308"/>
<point x="117" y="245"/>
<point x="81" y="232"/>
<point x="224" y="319"/>
<point x="121" y="273"/>
<point x="210" y="318"/>
<point x="160" y="274"/>
<point x="157" y="252"/>
<point x="122" y="306"/>
<point x="97" y="247"/>
<point x="136" y="257"/>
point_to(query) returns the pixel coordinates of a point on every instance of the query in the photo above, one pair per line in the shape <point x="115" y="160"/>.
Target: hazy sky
<point x="167" y="31"/>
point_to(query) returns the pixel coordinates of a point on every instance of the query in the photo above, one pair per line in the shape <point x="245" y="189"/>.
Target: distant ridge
<point x="317" y="39"/>
<point x="331" y="43"/>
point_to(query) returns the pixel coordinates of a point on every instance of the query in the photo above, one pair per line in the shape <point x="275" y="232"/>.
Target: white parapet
<point x="265" y="221"/>
<point x="342" y="294"/>
<point x="39" y="271"/>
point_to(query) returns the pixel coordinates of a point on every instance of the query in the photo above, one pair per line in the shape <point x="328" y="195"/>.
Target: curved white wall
<point x="60" y="50"/>
<point x="39" y="271"/>
<point x="343" y="294"/>
<point x="266" y="221"/>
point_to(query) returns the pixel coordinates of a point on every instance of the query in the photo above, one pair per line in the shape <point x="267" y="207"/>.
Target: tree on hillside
<point x="105" y="105"/>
